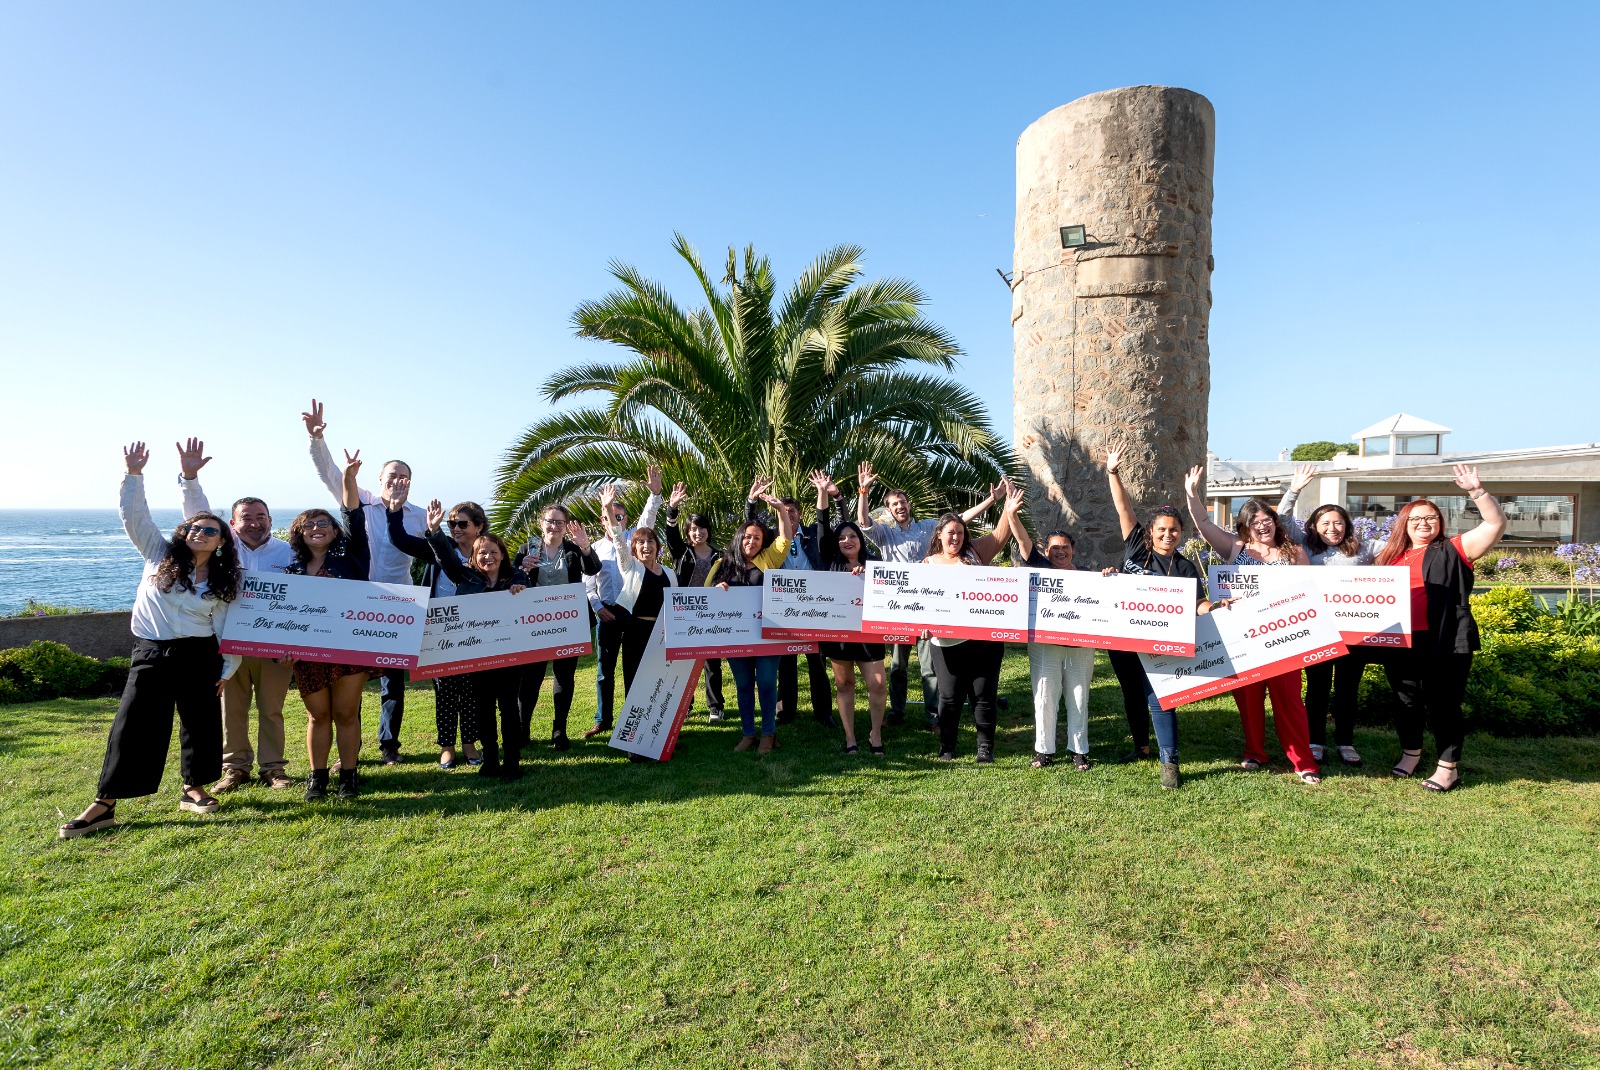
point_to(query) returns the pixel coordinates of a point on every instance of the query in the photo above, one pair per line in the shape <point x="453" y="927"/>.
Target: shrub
<point x="44" y="670"/>
<point x="48" y="609"/>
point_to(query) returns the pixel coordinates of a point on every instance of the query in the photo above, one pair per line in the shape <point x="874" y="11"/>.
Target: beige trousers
<point x="267" y="682"/>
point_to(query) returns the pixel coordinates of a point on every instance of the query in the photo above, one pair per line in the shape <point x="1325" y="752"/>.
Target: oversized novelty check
<point x="949" y="601"/>
<point x="313" y="618"/>
<point x="708" y="622"/>
<point x="1250" y="640"/>
<point x="813" y="605"/>
<point x="654" y="708"/>
<point x="497" y="629"/>
<point x="1148" y="614"/>
<point x="1371" y="604"/>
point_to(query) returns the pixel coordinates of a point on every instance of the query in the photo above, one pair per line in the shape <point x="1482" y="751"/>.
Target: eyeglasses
<point x="319" y="524"/>
<point x="210" y="531"/>
<point x="1421" y="520"/>
<point x="553" y="522"/>
<point x="459" y="525"/>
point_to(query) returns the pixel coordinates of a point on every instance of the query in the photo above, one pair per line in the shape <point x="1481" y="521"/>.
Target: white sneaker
<point x="714" y="716"/>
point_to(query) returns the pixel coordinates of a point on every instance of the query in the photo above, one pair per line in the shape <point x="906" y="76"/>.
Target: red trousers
<point x="1288" y="718"/>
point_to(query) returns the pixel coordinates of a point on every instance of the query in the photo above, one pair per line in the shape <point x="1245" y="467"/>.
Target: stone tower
<point x="1110" y="337"/>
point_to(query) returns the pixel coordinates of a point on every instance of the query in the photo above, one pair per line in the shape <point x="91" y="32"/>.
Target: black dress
<point x="828" y="539"/>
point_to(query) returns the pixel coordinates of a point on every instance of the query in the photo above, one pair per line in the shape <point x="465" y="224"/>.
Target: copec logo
<point x="1166" y="648"/>
<point x="1382" y="640"/>
<point x="1015" y="637"/>
<point x="387" y="659"/>
<point x="1318" y="655"/>
<point x="567" y="651"/>
<point x="797" y="648"/>
<point x="897" y="639"/>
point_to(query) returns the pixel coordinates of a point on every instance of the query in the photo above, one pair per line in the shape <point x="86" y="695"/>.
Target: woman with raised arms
<point x="179" y="611"/>
<point x="1260" y="538"/>
<point x="1430" y="678"/>
<point x="645" y="582"/>
<point x="1059" y="673"/>
<point x="694" y="556"/>
<point x="562" y="555"/>
<point x="844" y="549"/>
<point x="1151" y="549"/>
<point x="453" y="700"/>
<point x="1329" y="538"/>
<point x="332" y="692"/>
<point x="487" y="569"/>
<point x="755" y="549"/>
<point x="969" y="666"/>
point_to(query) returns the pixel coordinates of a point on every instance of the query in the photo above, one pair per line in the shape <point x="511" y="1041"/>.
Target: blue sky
<point x="209" y="213"/>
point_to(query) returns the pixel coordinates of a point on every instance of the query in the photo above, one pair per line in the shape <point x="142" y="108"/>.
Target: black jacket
<point x="1447" y="579"/>
<point x="828" y="544"/>
<point x="683" y="559"/>
<point x="418" y="547"/>
<point x="471" y="581"/>
<point x="350" y="557"/>
<point x="578" y="562"/>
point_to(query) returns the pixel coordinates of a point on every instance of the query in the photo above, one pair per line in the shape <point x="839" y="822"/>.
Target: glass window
<point x="1375" y="447"/>
<point x="1417" y="444"/>
<point x="1531" y="520"/>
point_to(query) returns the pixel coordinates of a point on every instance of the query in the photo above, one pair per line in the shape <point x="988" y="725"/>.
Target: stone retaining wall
<point x="98" y="635"/>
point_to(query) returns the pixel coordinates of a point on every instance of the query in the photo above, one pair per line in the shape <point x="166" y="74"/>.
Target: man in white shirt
<point x="612" y="619"/>
<point x="266" y="680"/>
<point x="906" y="541"/>
<point x="389" y="563"/>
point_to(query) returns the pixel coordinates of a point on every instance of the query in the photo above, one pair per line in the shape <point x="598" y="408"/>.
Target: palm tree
<point x="751" y="385"/>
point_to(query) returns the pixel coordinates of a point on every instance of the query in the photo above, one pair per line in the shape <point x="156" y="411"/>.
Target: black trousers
<point x="713" y="677"/>
<point x="1429" y="686"/>
<point x="491" y="688"/>
<point x="635" y="638"/>
<point x="609" y="635"/>
<point x="530" y="681"/>
<point x="789" y="687"/>
<point x="166" y="674"/>
<point x="969" y="668"/>
<point x="1341" y="676"/>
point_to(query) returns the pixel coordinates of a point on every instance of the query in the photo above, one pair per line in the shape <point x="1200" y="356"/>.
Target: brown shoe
<point x="277" y="778"/>
<point x="231" y="779"/>
<point x="767" y="744"/>
<point x="747" y="742"/>
<point x="596" y="730"/>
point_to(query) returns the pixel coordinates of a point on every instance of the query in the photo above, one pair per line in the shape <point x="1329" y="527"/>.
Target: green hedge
<point x="43" y="669"/>
<point x="1538" y="673"/>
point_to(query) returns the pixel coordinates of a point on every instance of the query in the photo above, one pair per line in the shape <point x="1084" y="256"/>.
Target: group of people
<point x="192" y="577"/>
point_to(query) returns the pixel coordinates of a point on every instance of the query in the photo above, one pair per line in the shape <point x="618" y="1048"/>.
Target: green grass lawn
<point x="808" y="909"/>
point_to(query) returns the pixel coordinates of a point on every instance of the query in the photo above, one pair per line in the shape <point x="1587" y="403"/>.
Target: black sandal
<point x="1042" y="760"/>
<point x="1405" y="774"/>
<point x="851" y="748"/>
<point x="1434" y="786"/>
<point x="82" y="827"/>
<point x="1250" y="765"/>
<point x="876" y="748"/>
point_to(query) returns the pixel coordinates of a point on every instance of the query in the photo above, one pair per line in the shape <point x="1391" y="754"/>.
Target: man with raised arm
<point x="389" y="563"/>
<point x="266" y="680"/>
<point x="905" y="541"/>
<point x="603" y="588"/>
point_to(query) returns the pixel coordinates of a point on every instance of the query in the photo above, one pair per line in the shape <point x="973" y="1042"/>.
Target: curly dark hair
<point x="1160" y="511"/>
<point x="297" y="534"/>
<point x="222" y="571"/>
<point x="867" y="553"/>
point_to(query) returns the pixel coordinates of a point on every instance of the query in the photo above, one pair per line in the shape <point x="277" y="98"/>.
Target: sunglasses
<point x="460" y="524"/>
<point x="210" y="531"/>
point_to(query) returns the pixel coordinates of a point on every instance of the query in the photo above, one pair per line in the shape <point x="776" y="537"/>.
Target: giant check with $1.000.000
<point x="949" y="601"/>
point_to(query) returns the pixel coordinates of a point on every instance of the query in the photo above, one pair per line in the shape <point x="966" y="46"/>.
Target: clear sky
<point x="211" y="212"/>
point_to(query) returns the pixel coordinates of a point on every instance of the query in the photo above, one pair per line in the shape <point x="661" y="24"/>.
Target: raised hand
<point x="608" y="495"/>
<point x="1467" y="477"/>
<point x="1014" y="497"/>
<point x="191" y="457"/>
<point x="579" y="536"/>
<point x="652" y="479"/>
<point x="758" y="489"/>
<point x="350" y="497"/>
<point x="1303" y="475"/>
<point x="314" y="422"/>
<point x="820" y="480"/>
<point x="135" y="456"/>
<point x="352" y="462"/>
<point x="435" y="514"/>
<point x="679" y="493"/>
<point x="1113" y="459"/>
<point x="864" y="477"/>
<point x="1191" y="482"/>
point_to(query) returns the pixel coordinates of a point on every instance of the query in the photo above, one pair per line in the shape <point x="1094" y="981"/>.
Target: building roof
<point x="1401" y="424"/>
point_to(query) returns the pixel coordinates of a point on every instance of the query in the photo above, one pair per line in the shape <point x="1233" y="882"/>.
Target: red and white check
<point x="1370" y="604"/>
<point x="654" y="708"/>
<point x="813" y="605"/>
<point x="1147" y="614"/>
<point x="1254" y="639"/>
<point x="949" y="601"/>
<point x="314" y="618"/>
<point x="708" y="622"/>
<point x="494" y="630"/>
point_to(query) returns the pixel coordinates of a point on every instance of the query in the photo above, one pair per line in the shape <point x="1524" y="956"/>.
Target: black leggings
<point x="165" y="674"/>
<point x="498" y="687"/>
<point x="1429" y="687"/>
<point x="635" y="637"/>
<point x="453" y="704"/>
<point x="969" y="668"/>
<point x="532" y="679"/>
<point x="1342" y="676"/>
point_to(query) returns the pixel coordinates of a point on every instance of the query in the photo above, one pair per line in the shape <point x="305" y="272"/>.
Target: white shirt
<point x="174" y="614"/>
<point x="904" y="545"/>
<point x="389" y="564"/>
<point x="274" y="555"/>
<point x="605" y="586"/>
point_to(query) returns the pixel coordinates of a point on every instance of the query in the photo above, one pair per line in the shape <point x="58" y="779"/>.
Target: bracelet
<point x="1480" y="493"/>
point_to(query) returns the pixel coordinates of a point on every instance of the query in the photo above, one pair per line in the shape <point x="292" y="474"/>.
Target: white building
<point x="1551" y="494"/>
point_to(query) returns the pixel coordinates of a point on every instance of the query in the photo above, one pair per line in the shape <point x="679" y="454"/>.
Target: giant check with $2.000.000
<point x="314" y="618"/>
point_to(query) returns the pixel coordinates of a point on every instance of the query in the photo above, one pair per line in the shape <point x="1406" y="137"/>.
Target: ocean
<point x="70" y="557"/>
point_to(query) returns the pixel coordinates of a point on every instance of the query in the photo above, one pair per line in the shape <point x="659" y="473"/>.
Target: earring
<point x="217" y="552"/>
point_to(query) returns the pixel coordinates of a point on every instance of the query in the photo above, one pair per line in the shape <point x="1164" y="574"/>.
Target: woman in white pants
<point x="1059" y="672"/>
